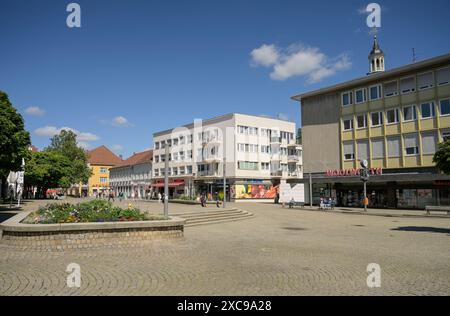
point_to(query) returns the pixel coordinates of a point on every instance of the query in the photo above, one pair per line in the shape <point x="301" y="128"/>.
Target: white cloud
<point x="84" y="145"/>
<point x="120" y="121"/>
<point x="82" y="137"/>
<point x="117" y="147"/>
<point x="34" y="111"/>
<point x="300" y="60"/>
<point x="266" y="55"/>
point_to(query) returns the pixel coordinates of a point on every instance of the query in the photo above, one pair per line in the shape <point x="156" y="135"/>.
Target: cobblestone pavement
<point x="277" y="252"/>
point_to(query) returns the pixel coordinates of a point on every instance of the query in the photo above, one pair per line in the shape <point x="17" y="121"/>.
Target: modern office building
<point x="394" y="119"/>
<point x="260" y="152"/>
<point x="132" y="177"/>
<point x="100" y="160"/>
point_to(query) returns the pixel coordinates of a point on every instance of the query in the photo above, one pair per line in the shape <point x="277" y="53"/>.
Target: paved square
<point x="276" y="252"/>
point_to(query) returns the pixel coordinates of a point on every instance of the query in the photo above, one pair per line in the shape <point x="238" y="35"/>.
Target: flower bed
<point x="87" y="212"/>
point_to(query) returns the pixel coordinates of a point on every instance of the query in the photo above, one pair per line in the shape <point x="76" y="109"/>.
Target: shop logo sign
<point x="352" y="172"/>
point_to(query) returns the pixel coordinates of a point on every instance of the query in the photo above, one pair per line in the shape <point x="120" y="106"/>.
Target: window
<point x="445" y="107"/>
<point x="156" y="172"/>
<point x="348" y="124"/>
<point x="427" y="110"/>
<point x="390" y="89"/>
<point x="409" y="113"/>
<point x="443" y="76"/>
<point x="375" y="92"/>
<point x="349" y="151"/>
<point x="429" y="143"/>
<point x="407" y="85"/>
<point x="174" y="171"/>
<point x="247" y="165"/>
<point x="393" y="145"/>
<point x="103" y="170"/>
<point x="392" y="116"/>
<point x="361" y="121"/>
<point x="265" y="149"/>
<point x="157" y="145"/>
<point x="425" y="80"/>
<point x="377" y="118"/>
<point x="347" y="98"/>
<point x="175" y="157"/>
<point x="181" y="155"/>
<point x="360" y="96"/>
<point x="156" y="159"/>
<point x="446" y="135"/>
<point x="411" y="145"/>
<point x="182" y="140"/>
<point x="103" y="179"/>
<point x="265" y="166"/>
<point x="363" y="150"/>
<point x="188" y="169"/>
<point x="182" y="170"/>
<point x="189" y="139"/>
<point x="175" y="141"/>
<point x="378" y="148"/>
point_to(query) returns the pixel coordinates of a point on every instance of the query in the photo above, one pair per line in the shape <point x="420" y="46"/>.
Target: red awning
<point x="171" y="185"/>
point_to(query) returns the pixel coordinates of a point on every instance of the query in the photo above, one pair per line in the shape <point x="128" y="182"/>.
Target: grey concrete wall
<point x="321" y="133"/>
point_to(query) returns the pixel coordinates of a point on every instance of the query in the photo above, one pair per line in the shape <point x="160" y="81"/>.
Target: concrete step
<point x="215" y="217"/>
<point x="217" y="221"/>
<point x="207" y="214"/>
<point x="211" y="211"/>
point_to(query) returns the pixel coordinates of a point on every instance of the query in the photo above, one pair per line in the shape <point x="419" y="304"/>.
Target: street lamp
<point x="365" y="177"/>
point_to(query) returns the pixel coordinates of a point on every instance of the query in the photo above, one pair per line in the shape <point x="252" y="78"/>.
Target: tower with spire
<point x="376" y="58"/>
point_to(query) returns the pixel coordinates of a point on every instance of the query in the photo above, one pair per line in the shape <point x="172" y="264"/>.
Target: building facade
<point x="393" y="119"/>
<point x="259" y="153"/>
<point x="101" y="160"/>
<point x="132" y="178"/>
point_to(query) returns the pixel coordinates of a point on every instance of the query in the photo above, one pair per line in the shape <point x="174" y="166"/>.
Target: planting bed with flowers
<point x="86" y="212"/>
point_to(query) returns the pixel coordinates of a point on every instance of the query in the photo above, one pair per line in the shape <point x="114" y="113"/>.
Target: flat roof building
<point x="393" y="119"/>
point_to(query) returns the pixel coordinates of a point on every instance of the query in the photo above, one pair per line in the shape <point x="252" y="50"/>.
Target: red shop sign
<point x="352" y="172"/>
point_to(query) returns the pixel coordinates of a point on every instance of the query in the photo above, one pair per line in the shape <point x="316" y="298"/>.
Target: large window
<point x="409" y="113"/>
<point x="349" y="151"/>
<point x="443" y="76"/>
<point x="375" y="92"/>
<point x="363" y="150"/>
<point x="377" y="118"/>
<point x="427" y="110"/>
<point x="445" y="107"/>
<point x="265" y="166"/>
<point x="361" y="121"/>
<point x="247" y="165"/>
<point x="407" y="85"/>
<point x="425" y="80"/>
<point x="103" y="179"/>
<point x="393" y="144"/>
<point x="360" y="96"/>
<point x="392" y="116"/>
<point x="411" y="145"/>
<point x="390" y="89"/>
<point x="347" y="98"/>
<point x="157" y="145"/>
<point x="378" y="148"/>
<point x="348" y="123"/>
<point x="429" y="143"/>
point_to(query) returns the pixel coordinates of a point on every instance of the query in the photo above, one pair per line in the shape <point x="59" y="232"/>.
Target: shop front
<point x="389" y="188"/>
<point x="176" y="187"/>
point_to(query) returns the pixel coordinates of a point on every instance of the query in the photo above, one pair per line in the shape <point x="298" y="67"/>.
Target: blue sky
<point x="136" y="67"/>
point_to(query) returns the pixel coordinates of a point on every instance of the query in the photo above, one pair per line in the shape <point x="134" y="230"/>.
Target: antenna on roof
<point x="413" y="55"/>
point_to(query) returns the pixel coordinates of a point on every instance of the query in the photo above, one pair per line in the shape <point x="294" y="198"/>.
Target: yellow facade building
<point x="101" y="159"/>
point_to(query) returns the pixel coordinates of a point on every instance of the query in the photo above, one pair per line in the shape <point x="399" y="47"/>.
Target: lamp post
<point x="365" y="178"/>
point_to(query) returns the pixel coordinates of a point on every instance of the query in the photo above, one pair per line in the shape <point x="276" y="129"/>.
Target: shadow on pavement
<point x="423" y="229"/>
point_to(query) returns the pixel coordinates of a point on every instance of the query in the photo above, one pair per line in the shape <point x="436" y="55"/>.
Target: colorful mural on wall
<point x="255" y="191"/>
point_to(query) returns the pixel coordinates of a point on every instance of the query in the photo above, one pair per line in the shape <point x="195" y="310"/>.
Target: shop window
<point x="390" y="89"/>
<point x="361" y="121"/>
<point x="392" y="116"/>
<point x="425" y="81"/>
<point x="407" y="85"/>
<point x="429" y="143"/>
<point x="377" y="119"/>
<point x="445" y="107"/>
<point x="349" y="151"/>
<point x="409" y="113"/>
<point x="427" y="110"/>
<point x="443" y="76"/>
<point x="393" y="147"/>
<point x="378" y="148"/>
<point x="411" y="145"/>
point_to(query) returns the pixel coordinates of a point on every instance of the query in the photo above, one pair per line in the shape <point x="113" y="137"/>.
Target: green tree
<point x="66" y="144"/>
<point x="442" y="157"/>
<point x="47" y="169"/>
<point x="14" y="139"/>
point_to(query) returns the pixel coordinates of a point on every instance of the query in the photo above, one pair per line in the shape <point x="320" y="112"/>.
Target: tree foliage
<point x="14" y="139"/>
<point x="442" y="157"/>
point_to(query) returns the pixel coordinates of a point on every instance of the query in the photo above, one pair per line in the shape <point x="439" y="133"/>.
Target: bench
<point x="429" y="209"/>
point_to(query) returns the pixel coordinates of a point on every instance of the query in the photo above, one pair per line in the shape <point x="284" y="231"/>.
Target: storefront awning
<point x="171" y="184"/>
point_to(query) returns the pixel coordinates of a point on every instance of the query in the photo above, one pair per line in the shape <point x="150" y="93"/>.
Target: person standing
<point x="159" y="197"/>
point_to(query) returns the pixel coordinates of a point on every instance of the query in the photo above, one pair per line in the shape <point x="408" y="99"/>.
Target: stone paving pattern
<point x="276" y="252"/>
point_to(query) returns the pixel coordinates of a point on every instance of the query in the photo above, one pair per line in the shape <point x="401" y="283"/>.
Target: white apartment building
<point x="133" y="176"/>
<point x="259" y="152"/>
